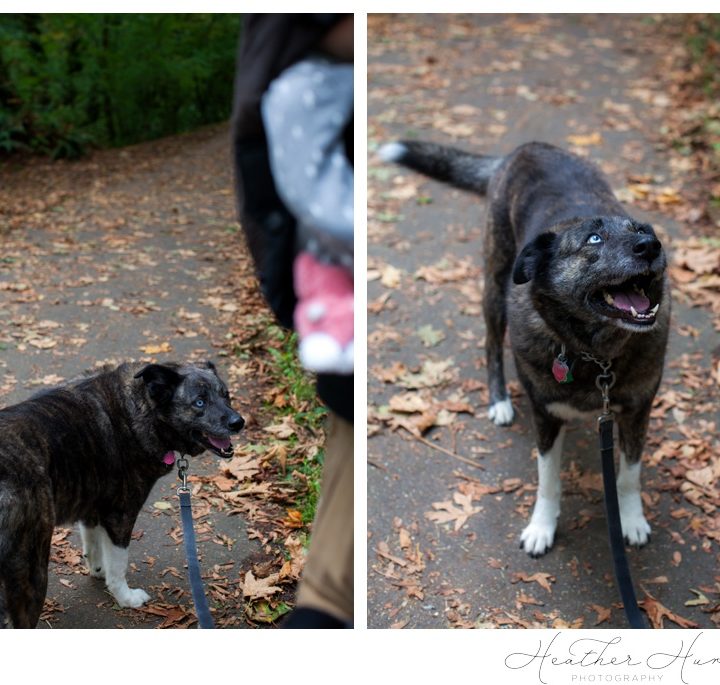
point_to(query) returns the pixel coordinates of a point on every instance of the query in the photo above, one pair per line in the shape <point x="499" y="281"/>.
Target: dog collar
<point x="562" y="369"/>
<point x="169" y="458"/>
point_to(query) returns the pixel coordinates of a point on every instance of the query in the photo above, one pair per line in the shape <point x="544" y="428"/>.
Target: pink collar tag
<point x="169" y="458"/>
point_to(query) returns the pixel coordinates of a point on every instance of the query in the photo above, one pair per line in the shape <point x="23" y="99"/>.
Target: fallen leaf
<point x="155" y="348"/>
<point x="542" y="579"/>
<point x="446" y="512"/>
<point x="585" y="140"/>
<point x="43" y="343"/>
<point x="431" y="374"/>
<point x="409" y="402"/>
<point x="241" y="467"/>
<point x="657" y="612"/>
<point x="258" y="588"/>
<point x="430" y="336"/>
<point x="700" y="600"/>
<point x="603" y="613"/>
<point x="390" y="277"/>
<point x="283" y="430"/>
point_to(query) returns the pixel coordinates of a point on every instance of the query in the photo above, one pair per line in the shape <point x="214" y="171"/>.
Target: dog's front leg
<point x="114" y="563"/>
<point x="539" y="534"/>
<point x="632" y="430"/>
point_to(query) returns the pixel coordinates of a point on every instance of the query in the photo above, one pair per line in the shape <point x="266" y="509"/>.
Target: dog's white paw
<point x="132" y="598"/>
<point x="537" y="538"/>
<point x="501" y="413"/>
<point x="635" y="528"/>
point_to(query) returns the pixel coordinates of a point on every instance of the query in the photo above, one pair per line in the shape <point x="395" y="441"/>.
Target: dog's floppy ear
<point x="530" y="257"/>
<point x="160" y="381"/>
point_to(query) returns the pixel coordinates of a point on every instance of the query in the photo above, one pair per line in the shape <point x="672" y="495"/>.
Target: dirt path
<point x="135" y="254"/>
<point x="443" y="544"/>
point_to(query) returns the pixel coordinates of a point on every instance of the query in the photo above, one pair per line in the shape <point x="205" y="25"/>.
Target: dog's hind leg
<point x="499" y="258"/>
<point x="115" y="563"/>
<point x="26" y="527"/>
<point x="92" y="550"/>
<point x="26" y="579"/>
<point x="539" y="535"/>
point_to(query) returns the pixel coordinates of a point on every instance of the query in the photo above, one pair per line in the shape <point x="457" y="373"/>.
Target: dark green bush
<point x="72" y="80"/>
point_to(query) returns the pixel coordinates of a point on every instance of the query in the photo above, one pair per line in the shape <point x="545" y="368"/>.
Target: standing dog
<point x="91" y="451"/>
<point x="579" y="284"/>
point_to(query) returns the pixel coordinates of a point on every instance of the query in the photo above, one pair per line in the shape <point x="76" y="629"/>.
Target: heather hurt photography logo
<point x="564" y="658"/>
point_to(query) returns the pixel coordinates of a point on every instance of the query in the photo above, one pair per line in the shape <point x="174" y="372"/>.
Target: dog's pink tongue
<point x="631" y="299"/>
<point x="220" y="443"/>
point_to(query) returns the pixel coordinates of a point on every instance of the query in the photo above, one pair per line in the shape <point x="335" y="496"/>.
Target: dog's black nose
<point x="236" y="422"/>
<point x="648" y="247"/>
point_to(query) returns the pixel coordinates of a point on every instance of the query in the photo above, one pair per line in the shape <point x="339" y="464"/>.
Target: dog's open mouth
<point x="221" y="446"/>
<point x="636" y="300"/>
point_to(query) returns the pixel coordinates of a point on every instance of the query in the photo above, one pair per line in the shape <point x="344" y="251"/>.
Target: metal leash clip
<point x="183" y="464"/>
<point x="604" y="382"/>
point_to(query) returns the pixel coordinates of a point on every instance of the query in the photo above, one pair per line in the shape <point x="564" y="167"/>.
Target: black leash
<point x="196" y="585"/>
<point x="604" y="382"/>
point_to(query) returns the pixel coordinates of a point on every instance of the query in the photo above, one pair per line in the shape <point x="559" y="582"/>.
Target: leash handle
<point x="612" y="511"/>
<point x="196" y="585"/>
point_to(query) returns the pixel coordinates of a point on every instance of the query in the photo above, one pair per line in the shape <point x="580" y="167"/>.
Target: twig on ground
<point x="465" y="460"/>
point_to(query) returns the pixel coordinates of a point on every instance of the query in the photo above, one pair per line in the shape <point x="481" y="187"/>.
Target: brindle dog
<point x="580" y="284"/>
<point x="91" y="451"/>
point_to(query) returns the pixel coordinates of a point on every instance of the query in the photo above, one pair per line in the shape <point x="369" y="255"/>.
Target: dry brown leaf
<point x="431" y="374"/>
<point x="409" y="402"/>
<point x="257" y="588"/>
<point x="156" y="348"/>
<point x="603" y="613"/>
<point x="458" y="511"/>
<point x="700" y="599"/>
<point x="241" y="467"/>
<point x="390" y="276"/>
<point x="585" y="140"/>
<point x="43" y="343"/>
<point x="657" y="612"/>
<point x="446" y="272"/>
<point x="542" y="579"/>
<point x="283" y="430"/>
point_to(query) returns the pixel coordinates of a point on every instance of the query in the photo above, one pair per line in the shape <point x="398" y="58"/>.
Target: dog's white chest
<point x="567" y="412"/>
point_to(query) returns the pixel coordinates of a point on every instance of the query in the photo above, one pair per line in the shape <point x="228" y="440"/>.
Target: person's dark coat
<point x="270" y="43"/>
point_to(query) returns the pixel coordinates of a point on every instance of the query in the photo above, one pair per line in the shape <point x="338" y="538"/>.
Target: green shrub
<point x="72" y="80"/>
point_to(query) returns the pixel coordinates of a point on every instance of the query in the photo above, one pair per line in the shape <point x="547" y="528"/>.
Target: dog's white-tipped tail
<point x="392" y="152"/>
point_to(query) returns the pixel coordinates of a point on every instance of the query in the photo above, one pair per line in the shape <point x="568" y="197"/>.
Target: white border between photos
<point x="385" y="656"/>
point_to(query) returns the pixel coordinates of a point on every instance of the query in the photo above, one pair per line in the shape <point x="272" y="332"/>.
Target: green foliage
<point x="72" y="80"/>
<point x="300" y="385"/>
<point x="704" y="43"/>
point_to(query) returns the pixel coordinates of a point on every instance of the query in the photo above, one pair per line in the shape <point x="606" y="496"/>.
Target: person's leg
<point x="325" y="595"/>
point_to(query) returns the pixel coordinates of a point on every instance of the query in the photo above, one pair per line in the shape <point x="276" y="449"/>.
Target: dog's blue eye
<point x="199" y="403"/>
<point x="594" y="239"/>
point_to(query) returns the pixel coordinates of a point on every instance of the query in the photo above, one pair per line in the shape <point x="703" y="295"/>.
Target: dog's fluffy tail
<point x="448" y="164"/>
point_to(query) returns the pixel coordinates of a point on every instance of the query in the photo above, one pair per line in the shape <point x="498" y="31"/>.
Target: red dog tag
<point x="561" y="371"/>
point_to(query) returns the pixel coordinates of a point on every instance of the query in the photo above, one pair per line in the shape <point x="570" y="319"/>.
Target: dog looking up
<point x="578" y="283"/>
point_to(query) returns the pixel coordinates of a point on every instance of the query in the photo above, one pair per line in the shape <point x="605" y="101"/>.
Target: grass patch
<point x="286" y="368"/>
<point x="303" y="404"/>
